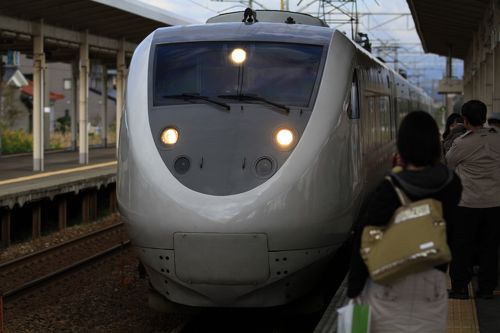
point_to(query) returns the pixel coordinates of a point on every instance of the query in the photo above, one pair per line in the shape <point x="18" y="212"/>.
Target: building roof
<point x="28" y="90"/>
<point x="444" y="23"/>
<point x="12" y="76"/>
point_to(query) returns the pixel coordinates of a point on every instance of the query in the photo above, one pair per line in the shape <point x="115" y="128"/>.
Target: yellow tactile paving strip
<point x="55" y="173"/>
<point x="462" y="315"/>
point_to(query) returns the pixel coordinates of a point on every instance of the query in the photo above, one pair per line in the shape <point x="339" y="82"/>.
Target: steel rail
<point x="10" y="295"/>
<point x="12" y="262"/>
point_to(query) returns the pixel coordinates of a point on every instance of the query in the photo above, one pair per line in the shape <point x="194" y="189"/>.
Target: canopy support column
<point x="496" y="78"/>
<point x="105" y="106"/>
<point x="121" y="69"/>
<point x="74" y="101"/>
<point x="38" y="96"/>
<point x="83" y="98"/>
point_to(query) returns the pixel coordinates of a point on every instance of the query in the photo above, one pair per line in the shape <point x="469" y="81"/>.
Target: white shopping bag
<point x="353" y="318"/>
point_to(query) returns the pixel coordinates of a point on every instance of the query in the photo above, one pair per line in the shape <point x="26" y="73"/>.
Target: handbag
<point x="353" y="318"/>
<point x="414" y="240"/>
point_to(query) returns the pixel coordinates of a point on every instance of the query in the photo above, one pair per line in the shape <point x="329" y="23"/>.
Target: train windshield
<point x="282" y="73"/>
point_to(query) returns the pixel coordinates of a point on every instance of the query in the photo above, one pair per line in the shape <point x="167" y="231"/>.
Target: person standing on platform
<point x="494" y="120"/>
<point x="475" y="156"/>
<point x="454" y="128"/>
<point x="417" y="302"/>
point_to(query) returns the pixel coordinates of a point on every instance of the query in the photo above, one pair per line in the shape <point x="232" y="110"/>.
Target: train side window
<point x="353" y="111"/>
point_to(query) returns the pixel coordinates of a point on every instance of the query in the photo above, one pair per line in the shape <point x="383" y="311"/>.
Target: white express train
<point x="246" y="149"/>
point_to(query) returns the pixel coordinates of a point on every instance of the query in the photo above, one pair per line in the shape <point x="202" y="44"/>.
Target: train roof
<point x="238" y="31"/>
<point x="272" y="16"/>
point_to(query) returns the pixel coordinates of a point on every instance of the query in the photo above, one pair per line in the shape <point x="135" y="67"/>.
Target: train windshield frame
<point x="284" y="73"/>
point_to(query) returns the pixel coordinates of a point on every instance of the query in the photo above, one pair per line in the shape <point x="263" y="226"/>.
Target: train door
<point x="354" y="114"/>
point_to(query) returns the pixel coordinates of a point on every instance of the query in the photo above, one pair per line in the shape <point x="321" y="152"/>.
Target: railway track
<point x="24" y="273"/>
<point x="247" y="321"/>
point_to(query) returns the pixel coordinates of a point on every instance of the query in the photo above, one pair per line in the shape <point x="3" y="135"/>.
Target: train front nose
<point x="234" y="112"/>
<point x="244" y="269"/>
<point x="226" y="259"/>
<point x="208" y="198"/>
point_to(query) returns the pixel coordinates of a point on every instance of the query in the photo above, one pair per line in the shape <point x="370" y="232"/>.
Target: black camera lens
<point x="181" y="165"/>
<point x="264" y="167"/>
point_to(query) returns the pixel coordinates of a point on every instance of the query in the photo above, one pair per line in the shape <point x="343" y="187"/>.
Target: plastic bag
<point x="353" y="318"/>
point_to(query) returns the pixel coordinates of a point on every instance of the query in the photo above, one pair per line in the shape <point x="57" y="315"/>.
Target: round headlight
<point x="284" y="138"/>
<point x="169" y="136"/>
<point x="238" y="56"/>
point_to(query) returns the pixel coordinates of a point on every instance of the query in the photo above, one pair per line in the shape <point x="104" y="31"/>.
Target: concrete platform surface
<point x="14" y="166"/>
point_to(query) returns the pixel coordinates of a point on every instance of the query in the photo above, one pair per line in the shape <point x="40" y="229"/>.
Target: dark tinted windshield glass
<point x="280" y="72"/>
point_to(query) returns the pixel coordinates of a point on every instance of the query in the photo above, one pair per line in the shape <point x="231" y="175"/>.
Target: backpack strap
<point x="403" y="198"/>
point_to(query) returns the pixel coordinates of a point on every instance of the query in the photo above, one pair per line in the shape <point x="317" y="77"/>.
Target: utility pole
<point x="284" y="5"/>
<point x="449" y="74"/>
<point x="335" y="12"/>
<point x="390" y="48"/>
<point x="449" y="86"/>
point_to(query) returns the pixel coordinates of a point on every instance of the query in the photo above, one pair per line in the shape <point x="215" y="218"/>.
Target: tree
<point x="10" y="107"/>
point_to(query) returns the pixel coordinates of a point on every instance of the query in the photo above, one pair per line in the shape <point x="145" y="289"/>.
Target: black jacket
<point x="454" y="133"/>
<point x="436" y="182"/>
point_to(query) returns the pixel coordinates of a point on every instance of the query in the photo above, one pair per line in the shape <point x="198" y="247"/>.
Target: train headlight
<point x="238" y="56"/>
<point x="285" y="138"/>
<point x="169" y="136"/>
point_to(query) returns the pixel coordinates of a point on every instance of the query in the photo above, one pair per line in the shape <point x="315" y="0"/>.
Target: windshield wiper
<point x="187" y="96"/>
<point x="256" y="98"/>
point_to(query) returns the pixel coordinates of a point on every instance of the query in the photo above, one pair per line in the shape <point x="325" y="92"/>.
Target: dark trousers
<point x="475" y="232"/>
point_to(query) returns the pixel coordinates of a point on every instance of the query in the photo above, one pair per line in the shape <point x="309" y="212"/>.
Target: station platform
<point x="62" y="174"/>
<point x="21" y="165"/>
<point x="66" y="192"/>
<point x="473" y="315"/>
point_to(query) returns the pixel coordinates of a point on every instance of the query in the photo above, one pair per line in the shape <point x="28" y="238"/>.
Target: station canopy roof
<point x="110" y="20"/>
<point x="129" y="19"/>
<point x="444" y="23"/>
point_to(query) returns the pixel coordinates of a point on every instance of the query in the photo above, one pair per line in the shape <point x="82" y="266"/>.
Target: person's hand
<point x="356" y="299"/>
<point x="397" y="161"/>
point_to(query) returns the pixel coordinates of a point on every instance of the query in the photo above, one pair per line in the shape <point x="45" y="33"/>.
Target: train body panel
<point x="279" y="199"/>
<point x="262" y="242"/>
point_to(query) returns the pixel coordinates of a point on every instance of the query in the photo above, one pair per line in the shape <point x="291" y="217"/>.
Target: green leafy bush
<point x="16" y="142"/>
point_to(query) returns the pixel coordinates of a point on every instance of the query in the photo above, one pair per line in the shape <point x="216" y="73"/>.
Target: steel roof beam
<point x="21" y="26"/>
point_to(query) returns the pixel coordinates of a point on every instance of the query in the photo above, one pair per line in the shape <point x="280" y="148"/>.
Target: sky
<point x="387" y="33"/>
